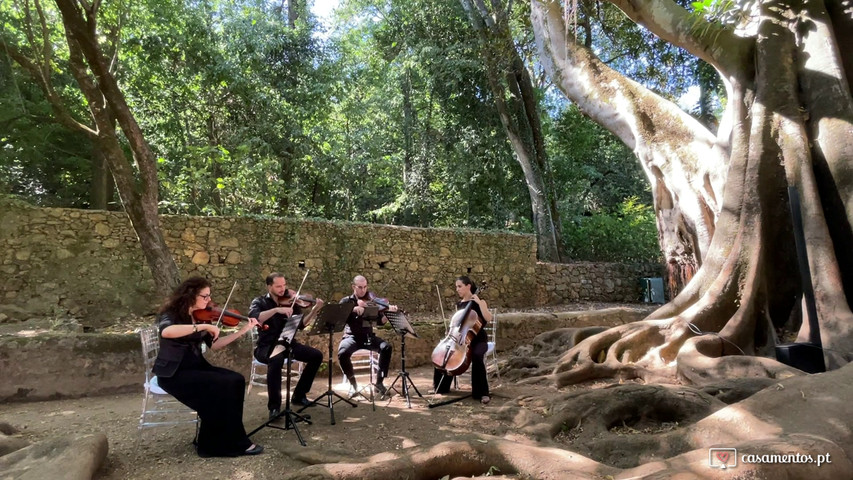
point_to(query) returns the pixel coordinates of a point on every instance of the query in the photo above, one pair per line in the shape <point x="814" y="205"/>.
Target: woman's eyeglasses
<point x="206" y="297"/>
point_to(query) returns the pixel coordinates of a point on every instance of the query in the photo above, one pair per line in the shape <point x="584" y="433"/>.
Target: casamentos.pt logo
<point x="724" y="458"/>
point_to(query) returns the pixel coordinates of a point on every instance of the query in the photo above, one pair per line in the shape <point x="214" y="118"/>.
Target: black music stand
<point x="290" y="418"/>
<point x="331" y="319"/>
<point x="402" y="327"/>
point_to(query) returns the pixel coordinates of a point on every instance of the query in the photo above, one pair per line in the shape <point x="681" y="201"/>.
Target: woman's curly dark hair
<point x="179" y="302"/>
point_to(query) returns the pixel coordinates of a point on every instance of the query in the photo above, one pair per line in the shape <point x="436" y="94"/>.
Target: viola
<point x="453" y="353"/>
<point x="383" y="303"/>
<point x="211" y="314"/>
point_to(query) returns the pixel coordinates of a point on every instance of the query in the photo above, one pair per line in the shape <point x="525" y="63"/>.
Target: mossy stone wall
<point x="86" y="265"/>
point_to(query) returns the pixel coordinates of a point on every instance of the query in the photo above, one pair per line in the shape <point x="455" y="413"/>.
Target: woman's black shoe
<point x="254" y="450"/>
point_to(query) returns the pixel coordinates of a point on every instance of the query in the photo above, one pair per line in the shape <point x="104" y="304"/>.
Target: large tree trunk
<point x="107" y="104"/>
<point x="103" y="186"/>
<point x="788" y="107"/>
<point x="516" y="104"/>
<point x="667" y="141"/>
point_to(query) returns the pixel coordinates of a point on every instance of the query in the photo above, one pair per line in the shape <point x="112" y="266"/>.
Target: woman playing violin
<point x="466" y="290"/>
<point x="215" y="393"/>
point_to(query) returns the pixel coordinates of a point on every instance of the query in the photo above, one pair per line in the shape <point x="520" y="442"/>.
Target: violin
<point x="453" y="353"/>
<point x="211" y="314"/>
<point x="303" y="301"/>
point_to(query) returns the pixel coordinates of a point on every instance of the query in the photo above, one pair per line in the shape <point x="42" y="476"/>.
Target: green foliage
<point x="231" y="98"/>
<point x="628" y="235"/>
<point x="723" y="12"/>
<point x="389" y="119"/>
<point x="594" y="171"/>
<point x="420" y="142"/>
<point x="40" y="161"/>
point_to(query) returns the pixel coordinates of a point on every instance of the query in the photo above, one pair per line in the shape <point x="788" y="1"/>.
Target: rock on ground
<point x="68" y="458"/>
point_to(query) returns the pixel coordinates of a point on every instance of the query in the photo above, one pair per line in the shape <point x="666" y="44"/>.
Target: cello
<point x="453" y="353"/>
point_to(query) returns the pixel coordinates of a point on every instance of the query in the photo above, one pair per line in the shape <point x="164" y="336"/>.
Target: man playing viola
<point x="272" y="311"/>
<point x="359" y="334"/>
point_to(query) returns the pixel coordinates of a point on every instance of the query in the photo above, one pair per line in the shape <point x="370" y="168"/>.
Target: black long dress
<point x="215" y="393"/>
<point x="479" y="346"/>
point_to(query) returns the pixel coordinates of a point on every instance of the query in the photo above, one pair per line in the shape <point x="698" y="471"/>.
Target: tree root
<point x="619" y="425"/>
<point x="534" y="363"/>
<point x="616" y="353"/>
<point x="807" y="415"/>
<point x="698" y="365"/>
<point x="474" y="456"/>
<point x="662" y="351"/>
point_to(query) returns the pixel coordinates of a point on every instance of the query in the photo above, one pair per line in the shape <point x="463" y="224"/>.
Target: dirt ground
<point x="166" y="451"/>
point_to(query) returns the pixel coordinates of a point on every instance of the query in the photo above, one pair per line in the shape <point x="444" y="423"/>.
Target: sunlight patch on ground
<point x="405" y="442"/>
<point x="31" y="333"/>
<point x="653" y="357"/>
<point x="64" y="412"/>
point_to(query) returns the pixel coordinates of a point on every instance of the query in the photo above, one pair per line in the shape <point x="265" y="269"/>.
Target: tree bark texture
<point x="722" y="197"/>
<point x="516" y="103"/>
<point x="103" y="187"/>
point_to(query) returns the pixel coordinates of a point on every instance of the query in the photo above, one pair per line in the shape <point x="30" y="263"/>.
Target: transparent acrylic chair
<point x="492" y="335"/>
<point x="365" y="365"/>
<point x="491" y="357"/>
<point x="258" y="375"/>
<point x="158" y="407"/>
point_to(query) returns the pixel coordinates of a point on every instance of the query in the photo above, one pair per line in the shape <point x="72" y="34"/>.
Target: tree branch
<point x="63" y="116"/>
<point x="716" y="45"/>
<point x="47" y="51"/>
<point x="678" y="153"/>
<point x="83" y="33"/>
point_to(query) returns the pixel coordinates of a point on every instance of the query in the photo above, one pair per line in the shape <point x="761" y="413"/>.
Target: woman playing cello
<point x="215" y="393"/>
<point x="466" y="290"/>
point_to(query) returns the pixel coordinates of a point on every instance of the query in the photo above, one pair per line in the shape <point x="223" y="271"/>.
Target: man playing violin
<point x="272" y="311"/>
<point x="359" y="334"/>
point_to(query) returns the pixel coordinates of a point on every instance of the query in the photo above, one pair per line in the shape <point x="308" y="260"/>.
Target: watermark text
<point x="725" y="458"/>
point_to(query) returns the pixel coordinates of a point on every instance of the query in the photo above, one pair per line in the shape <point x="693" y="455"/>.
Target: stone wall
<point x="87" y="265"/>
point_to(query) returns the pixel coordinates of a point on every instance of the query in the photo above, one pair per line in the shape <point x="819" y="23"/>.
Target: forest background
<point x="382" y="114"/>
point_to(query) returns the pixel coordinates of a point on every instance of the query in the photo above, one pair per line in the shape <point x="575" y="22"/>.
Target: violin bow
<point x="441" y="306"/>
<point x="296" y="297"/>
<point x="222" y="313"/>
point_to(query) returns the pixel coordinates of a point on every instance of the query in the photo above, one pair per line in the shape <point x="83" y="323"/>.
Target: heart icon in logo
<point x="723" y="457"/>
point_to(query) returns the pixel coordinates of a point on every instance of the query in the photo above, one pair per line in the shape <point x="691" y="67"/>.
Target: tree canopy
<point x="388" y="117"/>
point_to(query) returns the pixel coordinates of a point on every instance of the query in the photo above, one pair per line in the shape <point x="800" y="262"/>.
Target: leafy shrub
<point x="628" y="234"/>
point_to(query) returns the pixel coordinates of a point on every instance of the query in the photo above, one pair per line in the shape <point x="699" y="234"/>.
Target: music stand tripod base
<point x="402" y="327"/>
<point x="331" y="319"/>
<point x="290" y="417"/>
